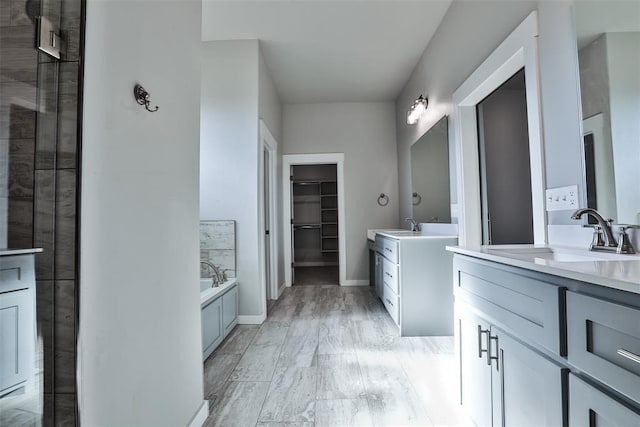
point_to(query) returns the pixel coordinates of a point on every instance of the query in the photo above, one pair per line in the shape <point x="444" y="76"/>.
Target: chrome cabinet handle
<point x="629" y="355"/>
<point x="490" y="357"/>
<point x="390" y="303"/>
<point x="387" y="273"/>
<point x="387" y="249"/>
<point x="480" y="349"/>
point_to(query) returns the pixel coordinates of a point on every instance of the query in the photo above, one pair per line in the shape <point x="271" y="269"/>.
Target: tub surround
<point x="620" y="272"/>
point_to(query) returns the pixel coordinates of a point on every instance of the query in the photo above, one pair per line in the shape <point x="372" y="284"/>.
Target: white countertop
<point x="428" y="230"/>
<point x="606" y="269"/>
<point x="10" y="251"/>
<point x="406" y="234"/>
<point x="211" y="293"/>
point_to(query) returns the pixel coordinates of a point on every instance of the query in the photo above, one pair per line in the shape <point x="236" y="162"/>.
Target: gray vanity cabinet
<point x="604" y="341"/>
<point x="591" y="407"/>
<point x="560" y="351"/>
<point x="502" y="381"/>
<point x="505" y="382"/>
<point x="527" y="388"/>
<point x="475" y="375"/>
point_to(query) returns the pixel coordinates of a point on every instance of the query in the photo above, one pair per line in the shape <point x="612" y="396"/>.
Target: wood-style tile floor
<point x="330" y="356"/>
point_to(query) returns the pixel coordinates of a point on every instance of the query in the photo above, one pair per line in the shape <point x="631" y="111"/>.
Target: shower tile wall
<point x="39" y="135"/>
<point x="218" y="246"/>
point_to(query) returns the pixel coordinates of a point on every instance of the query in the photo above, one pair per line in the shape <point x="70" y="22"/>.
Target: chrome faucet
<point x="414" y="225"/>
<point x="609" y="242"/>
<point x="219" y="276"/>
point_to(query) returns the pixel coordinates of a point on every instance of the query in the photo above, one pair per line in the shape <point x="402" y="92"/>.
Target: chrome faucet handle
<point x="624" y="243"/>
<point x="598" y="239"/>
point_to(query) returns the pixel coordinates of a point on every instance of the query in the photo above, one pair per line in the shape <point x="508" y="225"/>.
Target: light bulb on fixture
<point x="416" y="110"/>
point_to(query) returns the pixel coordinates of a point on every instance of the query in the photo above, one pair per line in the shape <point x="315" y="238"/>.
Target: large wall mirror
<point x="608" y="35"/>
<point x="430" y="175"/>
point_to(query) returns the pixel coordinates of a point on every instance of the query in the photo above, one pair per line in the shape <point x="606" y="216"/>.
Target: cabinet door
<point x="379" y="283"/>
<point x="527" y="388"/>
<point x="211" y="327"/>
<point x="230" y="309"/>
<point x="475" y="373"/>
<point x="591" y="407"/>
<point x="17" y="338"/>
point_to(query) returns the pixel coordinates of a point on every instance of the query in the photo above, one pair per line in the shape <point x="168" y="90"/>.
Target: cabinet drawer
<point x="390" y="250"/>
<point x="391" y="302"/>
<point x="16" y="272"/>
<point x="589" y="406"/>
<point x="527" y="306"/>
<point x="604" y="341"/>
<point x="390" y="274"/>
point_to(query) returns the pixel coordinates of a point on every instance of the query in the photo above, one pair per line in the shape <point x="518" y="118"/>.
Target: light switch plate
<point x="562" y="198"/>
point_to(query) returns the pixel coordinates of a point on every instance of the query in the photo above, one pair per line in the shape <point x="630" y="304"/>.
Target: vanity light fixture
<point x="416" y="110"/>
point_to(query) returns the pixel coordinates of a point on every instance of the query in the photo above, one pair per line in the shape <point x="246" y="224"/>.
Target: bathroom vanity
<point x="547" y="336"/>
<point x="219" y="313"/>
<point x="413" y="280"/>
<point x="17" y="321"/>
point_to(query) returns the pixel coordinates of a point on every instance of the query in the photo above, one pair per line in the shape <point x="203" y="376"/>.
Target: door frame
<point x="518" y="50"/>
<point x="289" y="160"/>
<point x="268" y="143"/>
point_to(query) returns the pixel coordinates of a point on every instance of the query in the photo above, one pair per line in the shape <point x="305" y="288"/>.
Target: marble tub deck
<point x="330" y="356"/>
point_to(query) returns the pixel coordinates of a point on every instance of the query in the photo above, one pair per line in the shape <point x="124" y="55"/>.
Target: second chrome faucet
<point x="603" y="239"/>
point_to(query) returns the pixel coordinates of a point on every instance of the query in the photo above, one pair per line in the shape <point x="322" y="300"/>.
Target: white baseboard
<point x="252" y="320"/>
<point x="355" y="283"/>
<point x="201" y="416"/>
<point x="281" y="289"/>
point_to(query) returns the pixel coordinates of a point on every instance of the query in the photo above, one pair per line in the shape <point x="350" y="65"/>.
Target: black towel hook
<point x="142" y="97"/>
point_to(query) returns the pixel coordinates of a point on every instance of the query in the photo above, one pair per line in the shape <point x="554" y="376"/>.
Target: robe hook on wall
<point x="142" y="97"/>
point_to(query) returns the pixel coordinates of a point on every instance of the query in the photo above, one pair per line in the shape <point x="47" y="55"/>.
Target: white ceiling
<point x="331" y="51"/>
<point x="613" y="16"/>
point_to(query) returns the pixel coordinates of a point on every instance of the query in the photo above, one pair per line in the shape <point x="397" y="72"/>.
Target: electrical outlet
<point x="562" y="198"/>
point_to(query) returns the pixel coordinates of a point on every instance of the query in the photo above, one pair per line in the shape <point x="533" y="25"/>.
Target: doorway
<point x="314" y="228"/>
<point x="267" y="220"/>
<point x="314" y="224"/>
<point x="505" y="172"/>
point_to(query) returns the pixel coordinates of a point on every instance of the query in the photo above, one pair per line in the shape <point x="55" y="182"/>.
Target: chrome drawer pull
<point x="390" y="303"/>
<point x="480" y="349"/>
<point x="629" y="355"/>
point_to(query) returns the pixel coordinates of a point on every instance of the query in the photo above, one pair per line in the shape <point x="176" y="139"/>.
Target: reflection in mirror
<point x="608" y="34"/>
<point x="430" y="175"/>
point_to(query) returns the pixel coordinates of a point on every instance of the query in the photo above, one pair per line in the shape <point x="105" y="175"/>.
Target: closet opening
<point x="314" y="225"/>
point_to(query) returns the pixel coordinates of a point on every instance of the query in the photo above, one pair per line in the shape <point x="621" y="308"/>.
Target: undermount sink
<point x="557" y="254"/>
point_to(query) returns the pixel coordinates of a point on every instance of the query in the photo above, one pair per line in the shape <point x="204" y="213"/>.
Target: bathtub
<point x="219" y="313"/>
<point x="209" y="293"/>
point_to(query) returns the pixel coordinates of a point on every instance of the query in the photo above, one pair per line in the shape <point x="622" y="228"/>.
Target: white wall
<point x="469" y="32"/>
<point x="365" y="133"/>
<point x="229" y="154"/>
<point x="139" y="351"/>
<point x="270" y="111"/>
